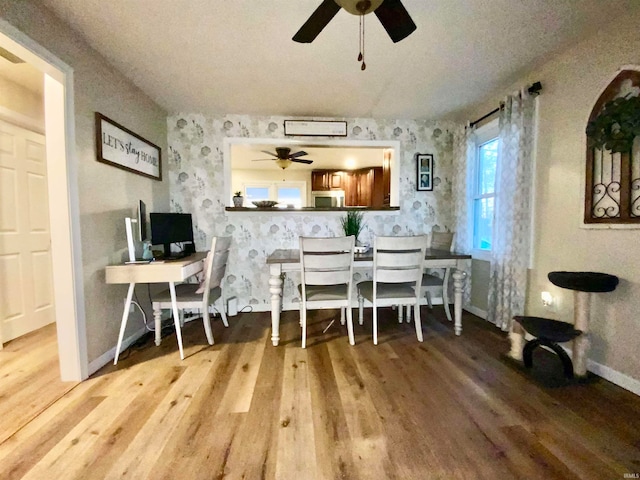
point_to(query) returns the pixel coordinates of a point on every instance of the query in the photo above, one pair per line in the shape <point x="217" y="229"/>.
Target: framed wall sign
<point x="324" y="128"/>
<point x="424" y="163"/>
<point x="120" y="147"/>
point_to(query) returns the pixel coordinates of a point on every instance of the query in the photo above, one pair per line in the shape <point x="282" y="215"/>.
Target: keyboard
<point x="176" y="256"/>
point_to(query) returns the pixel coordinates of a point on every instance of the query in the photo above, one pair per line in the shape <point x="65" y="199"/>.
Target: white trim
<point x="484" y="255"/>
<point x="394" y="145"/>
<point x="620" y="379"/>
<point x="476" y="311"/>
<point x="21" y="120"/>
<point x="108" y="356"/>
<point x="608" y="373"/>
<point x="63" y="200"/>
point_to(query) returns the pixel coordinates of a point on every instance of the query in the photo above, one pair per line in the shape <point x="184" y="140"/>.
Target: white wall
<point x="572" y="81"/>
<point x="18" y="99"/>
<point x="197" y="186"/>
<point x="106" y="194"/>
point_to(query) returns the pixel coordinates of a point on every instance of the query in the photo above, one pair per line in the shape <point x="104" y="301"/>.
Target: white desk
<point x="288" y="260"/>
<point x="155" y="272"/>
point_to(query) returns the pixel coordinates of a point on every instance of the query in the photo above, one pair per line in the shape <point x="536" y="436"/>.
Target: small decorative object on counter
<point x="238" y="199"/>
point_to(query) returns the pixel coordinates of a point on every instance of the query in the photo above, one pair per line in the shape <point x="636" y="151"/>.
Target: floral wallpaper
<point x="196" y="177"/>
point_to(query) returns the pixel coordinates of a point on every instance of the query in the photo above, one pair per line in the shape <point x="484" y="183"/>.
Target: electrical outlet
<point x="549" y="302"/>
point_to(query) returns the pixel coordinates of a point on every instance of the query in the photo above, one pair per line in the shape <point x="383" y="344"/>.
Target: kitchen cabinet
<point x="364" y="187"/>
<point x="323" y="180"/>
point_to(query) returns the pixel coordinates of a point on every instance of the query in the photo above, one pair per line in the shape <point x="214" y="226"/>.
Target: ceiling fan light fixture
<point x="283" y="163"/>
<point x="359" y="7"/>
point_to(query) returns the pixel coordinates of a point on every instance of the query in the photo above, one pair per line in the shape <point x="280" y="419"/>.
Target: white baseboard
<point x="476" y="311"/>
<point x="608" y="373"/>
<point x="109" y="355"/>
<point x="620" y="379"/>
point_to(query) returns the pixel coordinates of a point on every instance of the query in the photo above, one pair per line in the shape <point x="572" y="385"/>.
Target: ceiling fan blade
<point x="301" y="160"/>
<point x="316" y="22"/>
<point x="264" y="159"/>
<point x="269" y="153"/>
<point x="395" y="19"/>
<point x="10" y="56"/>
<point x="301" y="153"/>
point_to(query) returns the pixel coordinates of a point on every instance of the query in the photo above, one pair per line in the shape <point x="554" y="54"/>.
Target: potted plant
<point x="616" y="126"/>
<point x="352" y="223"/>
<point x="238" y="199"/>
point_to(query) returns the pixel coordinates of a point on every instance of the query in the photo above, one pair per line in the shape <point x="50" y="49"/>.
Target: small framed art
<point x="424" y="163"/>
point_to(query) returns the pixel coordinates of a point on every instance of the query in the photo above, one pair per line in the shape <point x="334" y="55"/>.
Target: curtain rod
<point x="534" y="89"/>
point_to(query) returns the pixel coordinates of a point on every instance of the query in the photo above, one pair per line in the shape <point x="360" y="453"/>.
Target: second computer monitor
<point x="168" y="228"/>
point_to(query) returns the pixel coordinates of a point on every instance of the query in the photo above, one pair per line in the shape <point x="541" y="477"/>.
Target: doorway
<point x="63" y="213"/>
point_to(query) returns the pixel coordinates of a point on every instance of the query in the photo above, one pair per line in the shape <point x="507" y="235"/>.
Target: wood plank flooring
<point x="450" y="407"/>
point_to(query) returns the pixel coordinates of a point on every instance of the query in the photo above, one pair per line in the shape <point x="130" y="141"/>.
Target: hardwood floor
<point x="450" y="407"/>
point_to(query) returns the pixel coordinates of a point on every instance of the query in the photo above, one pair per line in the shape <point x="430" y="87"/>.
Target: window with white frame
<point x="291" y="194"/>
<point x="484" y="187"/>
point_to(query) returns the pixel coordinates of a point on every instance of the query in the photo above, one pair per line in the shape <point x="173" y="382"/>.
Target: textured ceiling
<point x="222" y="56"/>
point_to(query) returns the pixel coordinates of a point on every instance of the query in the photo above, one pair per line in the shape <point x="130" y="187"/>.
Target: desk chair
<point x="199" y="296"/>
<point x="397" y="277"/>
<point x="326" y="268"/>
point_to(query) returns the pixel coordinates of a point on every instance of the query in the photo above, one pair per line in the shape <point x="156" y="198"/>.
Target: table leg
<point x="157" y="321"/>
<point x="176" y="317"/>
<point x="458" y="291"/>
<point x="123" y="323"/>
<point x="275" y="288"/>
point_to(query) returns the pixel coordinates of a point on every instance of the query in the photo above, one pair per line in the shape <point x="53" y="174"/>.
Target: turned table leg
<point x="275" y="288"/>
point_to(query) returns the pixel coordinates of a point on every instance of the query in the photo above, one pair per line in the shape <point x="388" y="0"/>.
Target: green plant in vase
<point x="616" y="126"/>
<point x="353" y="223"/>
<point x="238" y="199"/>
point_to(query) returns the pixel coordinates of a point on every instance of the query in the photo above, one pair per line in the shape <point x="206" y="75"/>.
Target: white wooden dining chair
<point x="435" y="284"/>
<point x="397" y="277"/>
<point x="326" y="269"/>
<point x="199" y="296"/>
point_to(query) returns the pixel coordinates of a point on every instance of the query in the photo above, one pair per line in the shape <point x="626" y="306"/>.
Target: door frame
<point x="66" y="252"/>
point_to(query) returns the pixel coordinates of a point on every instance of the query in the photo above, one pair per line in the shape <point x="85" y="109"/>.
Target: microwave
<point x="327" y="199"/>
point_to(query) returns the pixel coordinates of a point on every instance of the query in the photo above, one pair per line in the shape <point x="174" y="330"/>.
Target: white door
<point x="26" y="291"/>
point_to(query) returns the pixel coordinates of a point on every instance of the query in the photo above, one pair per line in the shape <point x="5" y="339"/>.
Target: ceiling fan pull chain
<point x="364" y="65"/>
<point x="360" y="39"/>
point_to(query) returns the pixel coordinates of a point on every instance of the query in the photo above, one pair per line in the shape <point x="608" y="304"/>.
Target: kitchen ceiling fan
<point x="392" y="15"/>
<point x="283" y="157"/>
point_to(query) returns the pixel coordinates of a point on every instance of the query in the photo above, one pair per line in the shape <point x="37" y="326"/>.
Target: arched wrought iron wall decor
<point x="612" y="193"/>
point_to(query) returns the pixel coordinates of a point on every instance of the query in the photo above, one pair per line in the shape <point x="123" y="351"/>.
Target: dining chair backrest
<point x="399" y="259"/>
<point x="326" y="261"/>
<point x="216" y="262"/>
<point x="441" y="240"/>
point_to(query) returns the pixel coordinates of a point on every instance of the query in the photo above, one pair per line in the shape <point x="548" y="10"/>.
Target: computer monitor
<point x="168" y="228"/>
<point x="142" y="221"/>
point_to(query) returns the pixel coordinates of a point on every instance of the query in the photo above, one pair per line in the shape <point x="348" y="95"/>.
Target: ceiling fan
<point x="392" y="15"/>
<point x="284" y="157"/>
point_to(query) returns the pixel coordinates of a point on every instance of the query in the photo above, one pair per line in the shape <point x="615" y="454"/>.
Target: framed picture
<point x="424" y="163"/>
<point x="311" y="128"/>
<point x="120" y="147"/>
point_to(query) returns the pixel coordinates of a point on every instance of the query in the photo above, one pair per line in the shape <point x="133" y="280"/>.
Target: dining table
<point x="286" y="260"/>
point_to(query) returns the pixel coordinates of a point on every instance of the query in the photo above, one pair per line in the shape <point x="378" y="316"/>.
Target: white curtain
<point x="510" y="250"/>
<point x="464" y="149"/>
